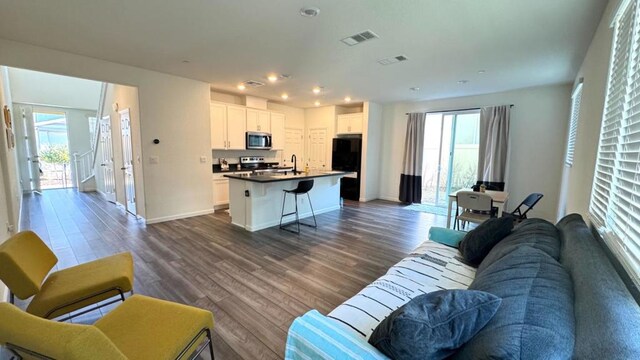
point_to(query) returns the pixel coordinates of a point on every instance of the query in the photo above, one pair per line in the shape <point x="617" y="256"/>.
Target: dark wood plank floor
<point x="254" y="283"/>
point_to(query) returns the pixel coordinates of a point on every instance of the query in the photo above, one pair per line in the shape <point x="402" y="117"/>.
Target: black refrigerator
<point x="346" y="156"/>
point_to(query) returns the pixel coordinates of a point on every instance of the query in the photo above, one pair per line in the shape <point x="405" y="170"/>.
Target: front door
<point x="106" y="146"/>
<point x="127" y="162"/>
<point x="317" y="149"/>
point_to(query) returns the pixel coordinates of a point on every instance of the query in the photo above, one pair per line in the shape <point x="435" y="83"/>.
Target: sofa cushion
<point x="535" y="319"/>
<point x="607" y="316"/>
<point x="479" y="241"/>
<point x="430" y="267"/>
<point x="536" y="233"/>
<point x="434" y="325"/>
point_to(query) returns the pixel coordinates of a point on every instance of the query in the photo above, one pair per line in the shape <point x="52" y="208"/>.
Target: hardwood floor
<point x="255" y="284"/>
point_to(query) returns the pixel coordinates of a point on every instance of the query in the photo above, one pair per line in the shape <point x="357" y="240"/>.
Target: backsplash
<point x="233" y="156"/>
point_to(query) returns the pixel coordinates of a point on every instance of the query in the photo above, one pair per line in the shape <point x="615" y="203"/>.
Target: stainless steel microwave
<point x="258" y="140"/>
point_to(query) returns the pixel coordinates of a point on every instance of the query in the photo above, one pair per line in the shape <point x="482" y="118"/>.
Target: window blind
<point x="615" y="197"/>
<point x="573" y="125"/>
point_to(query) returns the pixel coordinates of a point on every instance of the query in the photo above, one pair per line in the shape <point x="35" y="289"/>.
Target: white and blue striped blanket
<point x="344" y="332"/>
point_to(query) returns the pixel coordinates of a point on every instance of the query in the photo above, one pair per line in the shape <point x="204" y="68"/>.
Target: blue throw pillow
<point x="478" y="242"/>
<point x="446" y="236"/>
<point x="434" y="325"/>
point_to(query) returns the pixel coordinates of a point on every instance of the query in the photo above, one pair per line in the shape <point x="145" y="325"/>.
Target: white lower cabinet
<point x="221" y="189"/>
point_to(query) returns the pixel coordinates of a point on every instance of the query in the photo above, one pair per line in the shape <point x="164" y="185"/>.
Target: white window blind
<point x="573" y="125"/>
<point x="615" y="197"/>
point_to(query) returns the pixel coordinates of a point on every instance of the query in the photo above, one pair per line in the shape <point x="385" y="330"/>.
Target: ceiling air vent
<point x="392" y="60"/>
<point x="253" y="83"/>
<point x="359" y="38"/>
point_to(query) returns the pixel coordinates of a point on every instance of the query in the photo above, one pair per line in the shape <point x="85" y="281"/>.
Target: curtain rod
<point x="455" y="110"/>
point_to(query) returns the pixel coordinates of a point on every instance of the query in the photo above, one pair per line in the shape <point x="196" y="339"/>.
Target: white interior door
<point x="127" y="162"/>
<point x="27" y="149"/>
<point x="294" y="145"/>
<point x="106" y="146"/>
<point x="317" y="149"/>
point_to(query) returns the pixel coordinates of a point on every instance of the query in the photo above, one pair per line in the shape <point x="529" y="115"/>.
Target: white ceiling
<point x="520" y="43"/>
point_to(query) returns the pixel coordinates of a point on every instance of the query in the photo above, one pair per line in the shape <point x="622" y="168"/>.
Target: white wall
<point x="172" y="109"/>
<point x="10" y="191"/>
<point x="594" y="70"/>
<point x="371" y="151"/>
<point x="33" y="87"/>
<point x="8" y="160"/>
<point x="537" y="135"/>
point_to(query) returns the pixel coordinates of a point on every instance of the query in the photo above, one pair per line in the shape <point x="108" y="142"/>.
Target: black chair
<point x="489" y="185"/>
<point x="530" y="201"/>
<point x="304" y="187"/>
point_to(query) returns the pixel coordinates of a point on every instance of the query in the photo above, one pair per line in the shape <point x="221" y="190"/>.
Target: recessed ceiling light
<point x="284" y="96"/>
<point x="347" y="99"/>
<point x="185" y="61"/>
<point x="317" y="103"/>
<point x="482" y="71"/>
<point x="461" y="82"/>
<point x="415" y="88"/>
<point x="316" y="90"/>
<point x="241" y="87"/>
<point x="309" y="11"/>
<point x="272" y="77"/>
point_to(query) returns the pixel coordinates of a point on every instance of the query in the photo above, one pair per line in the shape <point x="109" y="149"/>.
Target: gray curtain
<point x="494" y="140"/>
<point x="411" y="176"/>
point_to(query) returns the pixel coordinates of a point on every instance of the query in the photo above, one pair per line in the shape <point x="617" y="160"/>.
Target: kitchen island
<point x="255" y="200"/>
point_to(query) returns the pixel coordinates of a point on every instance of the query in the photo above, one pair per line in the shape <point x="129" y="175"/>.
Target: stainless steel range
<point x="258" y="165"/>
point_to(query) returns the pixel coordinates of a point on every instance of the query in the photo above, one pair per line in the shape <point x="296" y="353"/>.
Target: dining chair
<point x="476" y="207"/>
<point x="529" y="202"/>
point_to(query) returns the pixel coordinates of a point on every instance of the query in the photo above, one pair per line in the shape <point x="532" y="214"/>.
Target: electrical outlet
<point x="154" y="159"/>
<point x="203" y="159"/>
<point x="10" y="228"/>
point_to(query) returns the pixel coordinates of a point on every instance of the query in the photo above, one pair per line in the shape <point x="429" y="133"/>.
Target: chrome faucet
<point x="295" y="163"/>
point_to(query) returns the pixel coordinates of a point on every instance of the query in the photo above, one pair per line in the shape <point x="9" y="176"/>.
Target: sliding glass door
<point x="450" y="158"/>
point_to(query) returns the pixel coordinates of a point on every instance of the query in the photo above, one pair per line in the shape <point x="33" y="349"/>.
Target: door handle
<point x="124" y="168"/>
<point x="103" y="164"/>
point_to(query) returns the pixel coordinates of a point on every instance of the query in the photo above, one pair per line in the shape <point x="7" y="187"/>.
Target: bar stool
<point x="304" y="187"/>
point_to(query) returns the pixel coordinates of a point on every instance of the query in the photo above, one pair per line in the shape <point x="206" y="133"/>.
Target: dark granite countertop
<point x="268" y="178"/>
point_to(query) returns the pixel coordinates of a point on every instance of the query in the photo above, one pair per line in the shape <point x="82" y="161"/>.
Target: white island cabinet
<point x="255" y="202"/>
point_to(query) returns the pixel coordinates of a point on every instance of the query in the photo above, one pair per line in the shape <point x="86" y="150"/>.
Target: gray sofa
<point x="561" y="298"/>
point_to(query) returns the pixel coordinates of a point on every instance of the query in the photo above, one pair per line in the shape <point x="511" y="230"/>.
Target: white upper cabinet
<point x="218" y="126"/>
<point x="228" y="127"/>
<point x="258" y="120"/>
<point x="349" y="124"/>
<point x="277" y="131"/>
<point x="236" y="127"/>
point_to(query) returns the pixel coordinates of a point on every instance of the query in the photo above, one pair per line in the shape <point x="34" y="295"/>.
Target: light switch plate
<point x="203" y="159"/>
<point x="154" y="160"/>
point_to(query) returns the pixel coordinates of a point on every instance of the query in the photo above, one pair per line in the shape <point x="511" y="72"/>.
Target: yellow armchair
<point x="140" y="328"/>
<point x="25" y="262"/>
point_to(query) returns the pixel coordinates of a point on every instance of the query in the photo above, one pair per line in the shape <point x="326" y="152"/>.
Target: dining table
<point x="499" y="199"/>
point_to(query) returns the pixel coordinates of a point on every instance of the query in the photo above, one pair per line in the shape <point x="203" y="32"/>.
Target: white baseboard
<point x="179" y="216"/>
<point x="389" y="198"/>
<point x="274" y="223"/>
